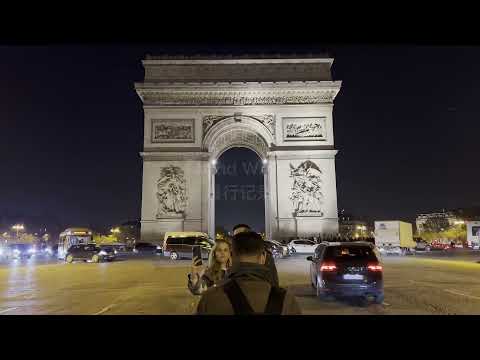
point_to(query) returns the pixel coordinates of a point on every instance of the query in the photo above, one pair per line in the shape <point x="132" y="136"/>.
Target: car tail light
<point x="375" y="267"/>
<point x="328" y="267"/>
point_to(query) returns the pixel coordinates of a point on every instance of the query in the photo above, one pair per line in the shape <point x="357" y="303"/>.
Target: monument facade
<point x="195" y="109"/>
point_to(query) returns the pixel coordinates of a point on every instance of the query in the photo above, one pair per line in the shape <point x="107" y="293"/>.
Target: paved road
<point x="413" y="285"/>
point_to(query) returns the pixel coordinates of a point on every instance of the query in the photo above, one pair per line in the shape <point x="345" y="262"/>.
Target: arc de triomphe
<point x="195" y="109"/>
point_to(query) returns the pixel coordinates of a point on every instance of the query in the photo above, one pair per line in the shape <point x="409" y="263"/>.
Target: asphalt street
<point x="431" y="283"/>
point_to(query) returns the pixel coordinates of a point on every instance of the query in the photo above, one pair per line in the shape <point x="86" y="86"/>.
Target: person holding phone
<point x="219" y="261"/>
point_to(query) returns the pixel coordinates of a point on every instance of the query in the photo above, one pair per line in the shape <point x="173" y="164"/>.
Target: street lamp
<point x="18" y="227"/>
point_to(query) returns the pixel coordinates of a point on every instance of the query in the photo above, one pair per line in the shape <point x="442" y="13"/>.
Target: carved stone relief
<point x="173" y="130"/>
<point x="306" y="194"/>
<point x="268" y="120"/>
<point x="240" y="137"/>
<point x="200" y="99"/>
<point x="304" y="129"/>
<point x="171" y="192"/>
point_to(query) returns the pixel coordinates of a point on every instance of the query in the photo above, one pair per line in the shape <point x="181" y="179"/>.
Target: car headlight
<point x="159" y="247"/>
<point x="102" y="252"/>
<point x="16" y="251"/>
<point x="31" y="251"/>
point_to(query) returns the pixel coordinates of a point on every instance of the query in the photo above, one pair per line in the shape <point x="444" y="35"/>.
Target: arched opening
<point x="239" y="190"/>
<point x="245" y="135"/>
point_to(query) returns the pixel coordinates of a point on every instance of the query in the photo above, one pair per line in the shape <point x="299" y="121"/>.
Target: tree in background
<point x="104" y="239"/>
<point x="454" y="233"/>
<point x="436" y="224"/>
<point x="27" y="238"/>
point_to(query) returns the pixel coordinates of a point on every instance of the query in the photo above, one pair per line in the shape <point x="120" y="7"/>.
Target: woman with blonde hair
<point x="219" y="261"/>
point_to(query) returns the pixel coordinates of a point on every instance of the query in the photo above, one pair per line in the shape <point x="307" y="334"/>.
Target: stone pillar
<point x="212" y="171"/>
<point x="306" y="194"/>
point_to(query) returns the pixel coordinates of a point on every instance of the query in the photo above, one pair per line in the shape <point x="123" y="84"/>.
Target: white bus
<point x="73" y="236"/>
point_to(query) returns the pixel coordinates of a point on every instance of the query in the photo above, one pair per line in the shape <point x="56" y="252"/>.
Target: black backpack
<point x="241" y="305"/>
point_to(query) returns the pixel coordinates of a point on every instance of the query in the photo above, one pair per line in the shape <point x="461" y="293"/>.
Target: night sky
<point x="406" y="125"/>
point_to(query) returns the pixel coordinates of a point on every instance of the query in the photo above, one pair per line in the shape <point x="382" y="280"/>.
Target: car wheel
<point x="95" y="258"/>
<point x="174" y="255"/>
<point x="69" y="259"/>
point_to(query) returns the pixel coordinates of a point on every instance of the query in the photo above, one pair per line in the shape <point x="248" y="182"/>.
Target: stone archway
<point x="196" y="109"/>
<point x="237" y="131"/>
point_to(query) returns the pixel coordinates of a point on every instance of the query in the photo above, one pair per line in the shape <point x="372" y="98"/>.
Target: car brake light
<point x="375" y="267"/>
<point x="328" y="267"/>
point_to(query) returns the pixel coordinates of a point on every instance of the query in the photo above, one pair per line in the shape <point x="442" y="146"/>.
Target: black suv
<point x="182" y="247"/>
<point x="347" y="269"/>
<point x="86" y="252"/>
<point x="146" y="248"/>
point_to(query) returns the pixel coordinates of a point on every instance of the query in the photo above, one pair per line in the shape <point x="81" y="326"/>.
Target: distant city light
<point x="459" y="222"/>
<point x="115" y="230"/>
<point x="18" y="227"/>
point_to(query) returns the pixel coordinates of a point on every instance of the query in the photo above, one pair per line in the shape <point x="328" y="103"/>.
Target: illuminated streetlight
<point x="115" y="230"/>
<point x="18" y="227"/>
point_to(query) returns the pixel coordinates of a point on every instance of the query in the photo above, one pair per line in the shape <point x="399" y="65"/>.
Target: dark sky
<point x="406" y="126"/>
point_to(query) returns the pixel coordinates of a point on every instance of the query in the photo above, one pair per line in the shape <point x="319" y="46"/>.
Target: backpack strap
<point x="275" y="301"/>
<point x="237" y="298"/>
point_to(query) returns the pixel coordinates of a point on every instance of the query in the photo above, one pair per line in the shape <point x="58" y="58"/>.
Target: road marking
<point x="456" y="292"/>
<point x="7" y="310"/>
<point x="105" y="309"/>
<point x="386" y="304"/>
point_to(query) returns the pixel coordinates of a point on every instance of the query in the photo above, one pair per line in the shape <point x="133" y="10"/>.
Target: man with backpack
<point x="269" y="260"/>
<point x="247" y="289"/>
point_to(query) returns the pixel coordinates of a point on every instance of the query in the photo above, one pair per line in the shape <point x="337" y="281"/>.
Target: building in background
<point x="352" y="227"/>
<point x="436" y="221"/>
<point x="129" y="232"/>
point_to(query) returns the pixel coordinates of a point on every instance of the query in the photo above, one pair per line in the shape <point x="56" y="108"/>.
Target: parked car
<point x="86" y="252"/>
<point x="438" y="245"/>
<point x="303" y="246"/>
<point x="107" y="252"/>
<point x="178" y="247"/>
<point x="146" y="248"/>
<point x="52" y="250"/>
<point x="422" y="246"/>
<point x="347" y="269"/>
<point x="19" y="251"/>
<point x="3" y="252"/>
<point x="275" y="248"/>
<point x="120" y="249"/>
<point x="283" y="248"/>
